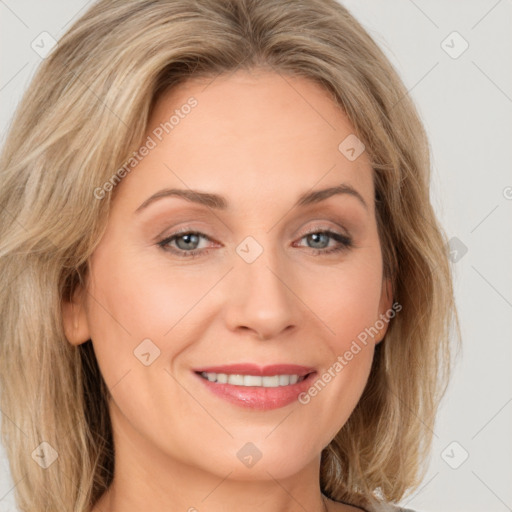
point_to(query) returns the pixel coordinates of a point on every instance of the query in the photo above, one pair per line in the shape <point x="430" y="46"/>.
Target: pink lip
<point x="256" y="397"/>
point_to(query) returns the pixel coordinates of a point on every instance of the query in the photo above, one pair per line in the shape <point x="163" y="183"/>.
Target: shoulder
<point x="390" y="508"/>
<point x="383" y="507"/>
<point x="337" y="506"/>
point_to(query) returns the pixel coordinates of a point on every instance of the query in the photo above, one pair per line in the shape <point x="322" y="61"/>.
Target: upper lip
<point x="254" y="369"/>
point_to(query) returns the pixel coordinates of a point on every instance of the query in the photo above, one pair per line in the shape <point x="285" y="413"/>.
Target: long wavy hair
<point x="82" y="117"/>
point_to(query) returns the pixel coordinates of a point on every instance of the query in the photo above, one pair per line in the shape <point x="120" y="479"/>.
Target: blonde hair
<point x="85" y="113"/>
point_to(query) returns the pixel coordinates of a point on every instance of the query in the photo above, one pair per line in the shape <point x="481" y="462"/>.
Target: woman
<point x="224" y="286"/>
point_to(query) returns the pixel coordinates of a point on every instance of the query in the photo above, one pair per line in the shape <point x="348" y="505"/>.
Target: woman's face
<point x="256" y="284"/>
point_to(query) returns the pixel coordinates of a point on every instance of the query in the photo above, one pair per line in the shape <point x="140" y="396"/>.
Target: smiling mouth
<point x="270" y="381"/>
<point x="256" y="387"/>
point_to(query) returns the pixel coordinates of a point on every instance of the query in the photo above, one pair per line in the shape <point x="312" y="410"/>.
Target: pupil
<point x="189" y="239"/>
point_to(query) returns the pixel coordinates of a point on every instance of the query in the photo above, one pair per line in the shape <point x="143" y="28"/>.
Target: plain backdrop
<point x="454" y="57"/>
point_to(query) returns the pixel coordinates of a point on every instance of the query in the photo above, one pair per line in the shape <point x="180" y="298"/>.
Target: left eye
<point x="321" y="239"/>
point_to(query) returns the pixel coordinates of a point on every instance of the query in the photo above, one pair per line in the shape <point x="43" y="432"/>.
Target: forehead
<point x="251" y="134"/>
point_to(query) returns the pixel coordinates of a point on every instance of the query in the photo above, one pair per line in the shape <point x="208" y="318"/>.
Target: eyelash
<point x="345" y="243"/>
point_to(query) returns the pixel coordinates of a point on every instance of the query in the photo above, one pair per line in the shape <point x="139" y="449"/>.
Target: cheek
<point x="348" y="303"/>
<point x="132" y="298"/>
<point x="347" y="297"/>
<point x="139" y="297"/>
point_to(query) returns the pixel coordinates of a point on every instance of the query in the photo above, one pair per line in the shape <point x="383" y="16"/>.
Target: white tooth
<point x="236" y="380"/>
<point x="252" y="380"/>
<point x="284" y="380"/>
<point x="271" y="382"/>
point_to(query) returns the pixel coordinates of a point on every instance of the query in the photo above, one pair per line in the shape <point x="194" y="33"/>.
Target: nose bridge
<point x="261" y="300"/>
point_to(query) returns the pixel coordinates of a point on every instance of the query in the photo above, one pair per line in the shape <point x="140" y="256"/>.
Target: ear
<point x="386" y="301"/>
<point x="74" y="319"/>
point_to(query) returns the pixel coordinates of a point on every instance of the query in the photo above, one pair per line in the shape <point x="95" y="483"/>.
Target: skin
<point x="260" y="140"/>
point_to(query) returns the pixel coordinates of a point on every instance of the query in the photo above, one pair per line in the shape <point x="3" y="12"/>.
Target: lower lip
<point x="258" y="397"/>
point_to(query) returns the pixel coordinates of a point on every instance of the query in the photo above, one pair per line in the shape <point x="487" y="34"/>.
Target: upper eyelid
<point x="339" y="226"/>
<point x="186" y="231"/>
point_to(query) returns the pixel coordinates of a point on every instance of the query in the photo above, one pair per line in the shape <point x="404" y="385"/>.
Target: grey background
<point x="466" y="105"/>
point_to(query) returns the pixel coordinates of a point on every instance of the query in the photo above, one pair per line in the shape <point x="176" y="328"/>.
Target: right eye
<point x="184" y="243"/>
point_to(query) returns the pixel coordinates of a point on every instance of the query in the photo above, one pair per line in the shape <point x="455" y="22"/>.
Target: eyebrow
<point x="220" y="203"/>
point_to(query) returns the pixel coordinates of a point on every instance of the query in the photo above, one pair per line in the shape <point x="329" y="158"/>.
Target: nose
<point x="261" y="298"/>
